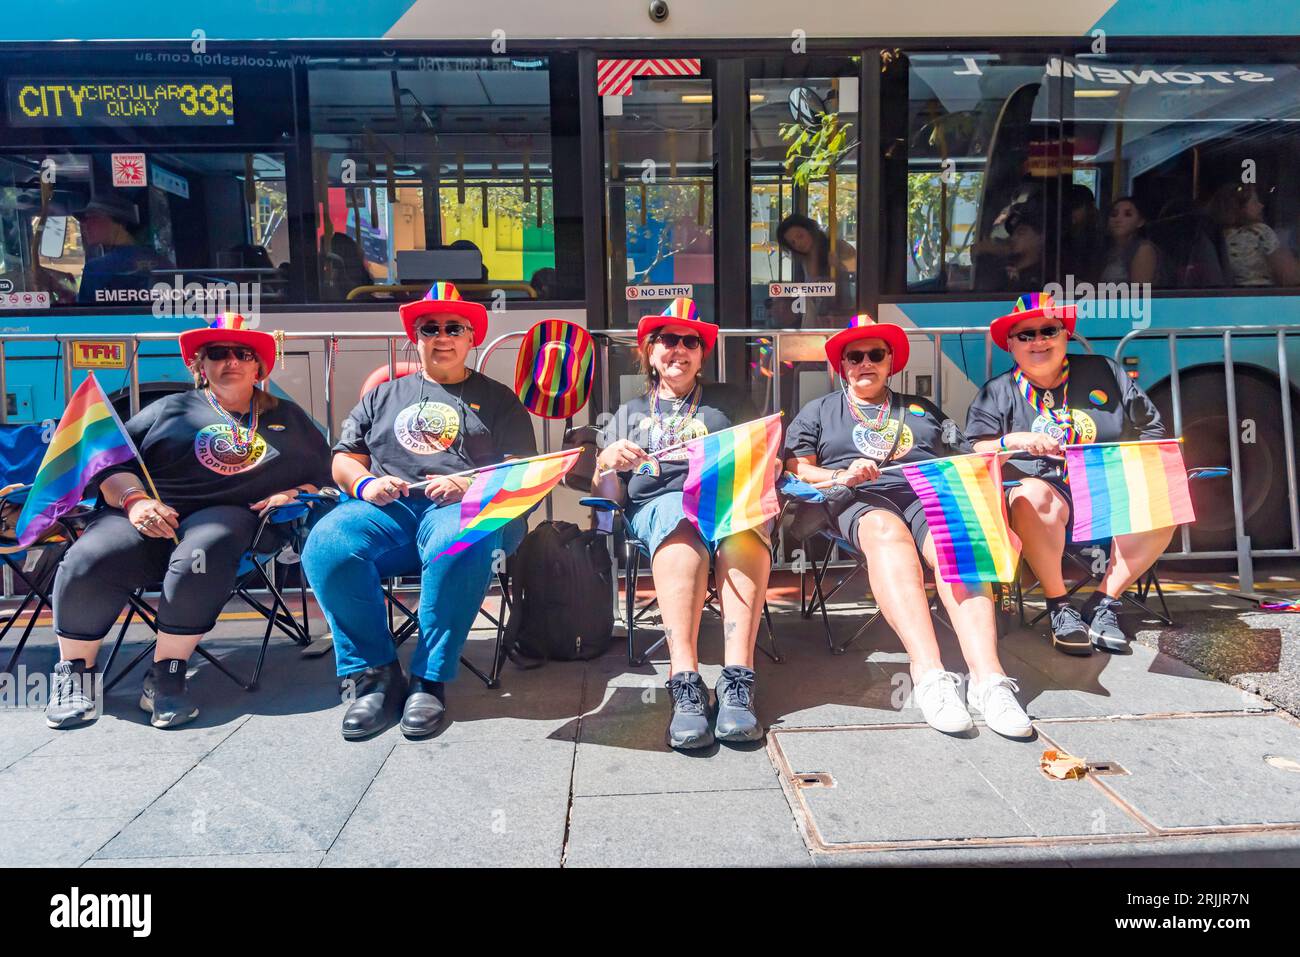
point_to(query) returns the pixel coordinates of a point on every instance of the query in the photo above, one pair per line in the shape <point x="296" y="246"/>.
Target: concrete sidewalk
<point x="566" y="765"/>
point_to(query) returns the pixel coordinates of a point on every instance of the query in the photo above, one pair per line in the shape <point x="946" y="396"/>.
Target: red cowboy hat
<point x="1033" y="305"/>
<point x="229" y="328"/>
<point x="444" y="298"/>
<point x="864" y="327"/>
<point x="680" y="312"/>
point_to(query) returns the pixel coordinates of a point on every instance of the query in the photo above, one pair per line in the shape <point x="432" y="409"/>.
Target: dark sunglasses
<point x="672" y="340"/>
<point x="875" y="356"/>
<point x="1047" y="332"/>
<point x="431" y="329"/>
<point x="222" y="353"/>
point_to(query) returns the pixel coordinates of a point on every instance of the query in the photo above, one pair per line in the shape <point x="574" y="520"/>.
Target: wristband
<point x="359" y="485"/>
<point x="131" y="496"/>
<point x="1002" y="442"/>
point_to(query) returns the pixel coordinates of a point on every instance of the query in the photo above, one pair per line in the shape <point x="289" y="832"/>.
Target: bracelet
<point x="1002" y="442"/>
<point x="131" y="495"/>
<point x="359" y="489"/>
<point x="834" y="480"/>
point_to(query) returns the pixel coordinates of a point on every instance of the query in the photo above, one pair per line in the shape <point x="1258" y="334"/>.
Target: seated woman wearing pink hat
<point x="1048" y="400"/>
<point x="844" y="438"/>
<point x="219" y="455"/>
<point x="678" y="406"/>
<point x="443" y="420"/>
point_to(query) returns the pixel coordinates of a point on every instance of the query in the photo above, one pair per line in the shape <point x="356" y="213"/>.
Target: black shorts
<point x="900" y="500"/>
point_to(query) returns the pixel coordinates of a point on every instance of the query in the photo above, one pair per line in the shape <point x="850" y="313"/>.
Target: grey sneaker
<point x="1069" y="633"/>
<point x="689" y="727"/>
<point x="1104" y="629"/>
<point x="72" y="696"/>
<point x="736" y="720"/>
<point x="165" y="696"/>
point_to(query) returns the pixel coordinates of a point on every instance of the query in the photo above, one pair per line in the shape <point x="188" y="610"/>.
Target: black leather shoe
<point x="424" y="709"/>
<point x="377" y="695"/>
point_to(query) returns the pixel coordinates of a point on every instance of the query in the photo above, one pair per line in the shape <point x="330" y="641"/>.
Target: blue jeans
<point x="357" y="544"/>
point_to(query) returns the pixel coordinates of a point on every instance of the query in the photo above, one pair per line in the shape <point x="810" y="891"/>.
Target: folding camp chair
<point x="799" y="493"/>
<point x="634" y="550"/>
<point x="1084" y="557"/>
<point x="254" y="573"/>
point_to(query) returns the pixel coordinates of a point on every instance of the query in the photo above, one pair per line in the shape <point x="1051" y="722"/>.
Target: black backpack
<point x="561" y="597"/>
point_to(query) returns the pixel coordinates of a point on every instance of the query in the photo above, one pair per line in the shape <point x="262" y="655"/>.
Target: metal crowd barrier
<point x="1244" y="553"/>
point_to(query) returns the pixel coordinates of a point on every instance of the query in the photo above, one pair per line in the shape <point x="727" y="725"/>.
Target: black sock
<point x="1055" y="604"/>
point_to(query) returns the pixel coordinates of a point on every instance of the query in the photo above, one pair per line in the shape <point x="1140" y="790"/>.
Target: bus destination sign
<point x="125" y="101"/>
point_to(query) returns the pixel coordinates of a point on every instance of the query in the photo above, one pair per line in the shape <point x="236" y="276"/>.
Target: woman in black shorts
<point x="844" y="438"/>
<point x="1048" y="400"/>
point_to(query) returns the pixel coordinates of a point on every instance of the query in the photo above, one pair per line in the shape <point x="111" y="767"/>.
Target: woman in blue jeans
<point x="444" y="420"/>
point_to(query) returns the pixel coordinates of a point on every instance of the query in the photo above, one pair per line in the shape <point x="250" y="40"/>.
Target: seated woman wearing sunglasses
<point x="843" y="439"/>
<point x="1046" y="401"/>
<point x="677" y="407"/>
<point x="444" y="420"/>
<point x="220" y="455"/>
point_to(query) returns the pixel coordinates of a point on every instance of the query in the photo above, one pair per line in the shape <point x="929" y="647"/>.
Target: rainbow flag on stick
<point x="1123" y="487"/>
<point x="962" y="498"/>
<point x="501" y="493"/>
<point x="90" y="438"/>
<point x="731" y="478"/>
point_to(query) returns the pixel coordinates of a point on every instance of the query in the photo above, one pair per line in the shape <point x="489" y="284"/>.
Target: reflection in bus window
<point x="430" y="169"/>
<point x="213" y="219"/>
<point x="804" y="132"/>
<point x="659" y="198"/>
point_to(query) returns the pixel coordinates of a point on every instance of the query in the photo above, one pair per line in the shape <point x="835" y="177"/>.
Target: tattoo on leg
<point x="729" y="629"/>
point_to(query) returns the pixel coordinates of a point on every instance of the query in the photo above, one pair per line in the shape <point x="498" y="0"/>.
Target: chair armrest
<point x="1208" y="472"/>
<point x="798" y="490"/>
<point x="289" y="512"/>
<point x="601" y="504"/>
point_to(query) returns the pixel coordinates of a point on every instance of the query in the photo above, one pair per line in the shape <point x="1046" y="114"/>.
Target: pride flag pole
<point x="895" y="468"/>
<point x="153" y="489"/>
<point x="500" y="465"/>
<point x="681" y="445"/>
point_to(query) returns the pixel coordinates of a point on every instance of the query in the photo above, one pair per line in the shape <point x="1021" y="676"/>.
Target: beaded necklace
<point x="1045" y="405"/>
<point x="673" y="424"/>
<point x="854" y="408"/>
<point x="241" y="439"/>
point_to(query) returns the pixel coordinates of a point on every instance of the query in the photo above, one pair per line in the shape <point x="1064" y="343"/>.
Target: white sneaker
<point x="936" y="695"/>
<point x="995" y="698"/>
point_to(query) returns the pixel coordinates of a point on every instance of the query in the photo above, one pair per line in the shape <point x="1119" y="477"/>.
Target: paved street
<point x="566" y="765"/>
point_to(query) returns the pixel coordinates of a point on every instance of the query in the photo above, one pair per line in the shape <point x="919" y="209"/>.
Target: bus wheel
<point x="1265" y="505"/>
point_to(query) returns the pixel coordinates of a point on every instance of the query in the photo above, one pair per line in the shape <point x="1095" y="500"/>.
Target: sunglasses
<point x="431" y="329"/>
<point x="1047" y="332"/>
<point x="874" y="356"/>
<point x="222" y="353"/>
<point x="672" y="340"/>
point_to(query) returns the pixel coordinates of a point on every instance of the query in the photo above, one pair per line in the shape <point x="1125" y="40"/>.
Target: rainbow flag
<point x="962" y="498"/>
<point x="90" y="437"/>
<point x="731" y="478"/>
<point x="502" y="493"/>
<point x="1123" y="487"/>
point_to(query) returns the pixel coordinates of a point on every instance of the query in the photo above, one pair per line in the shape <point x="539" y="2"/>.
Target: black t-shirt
<point x="1106" y="405"/>
<point x="828" y="431"/>
<point x="412" y="427"/>
<point x="187" y="446"/>
<point x="720" y="407"/>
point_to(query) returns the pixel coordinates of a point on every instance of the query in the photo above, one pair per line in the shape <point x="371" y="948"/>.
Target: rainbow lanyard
<point x="875" y="424"/>
<point x="1045" y="406"/>
<point x="241" y="439"/>
<point x="673" y="424"/>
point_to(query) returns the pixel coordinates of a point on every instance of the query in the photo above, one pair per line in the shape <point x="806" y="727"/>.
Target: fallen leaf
<point x="1063" y="766"/>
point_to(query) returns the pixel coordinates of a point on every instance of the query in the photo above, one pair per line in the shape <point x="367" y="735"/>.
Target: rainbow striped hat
<point x="443" y="298"/>
<point x="680" y="312"/>
<point x="554" y="370"/>
<point x="1032" y="305"/>
<point x="230" y="327"/>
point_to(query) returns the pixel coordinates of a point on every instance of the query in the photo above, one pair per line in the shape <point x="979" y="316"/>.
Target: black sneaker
<point x="689" y="727"/>
<point x="72" y="696"/>
<point x="1069" y="633"/>
<point x="736" y="720"/>
<point x="1104" y="629"/>
<point x="164" y="695"/>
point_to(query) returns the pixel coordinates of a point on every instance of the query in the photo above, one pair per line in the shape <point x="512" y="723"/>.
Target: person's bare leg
<point x="970" y="609"/>
<point x="680" y="568"/>
<point x="898" y="586"/>
<point x="1130" y="557"/>
<point x="73" y="649"/>
<point x="1038" y="515"/>
<point x="743" y="565"/>
<point x="175" y="646"/>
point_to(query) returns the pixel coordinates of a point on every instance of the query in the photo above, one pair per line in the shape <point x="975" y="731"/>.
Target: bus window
<point x="972" y="187"/>
<point x="1193" y="161"/>
<point x="659" y="197"/>
<point x="803" y="144"/>
<point x="213" y="219"/>
<point x="430" y="169"/>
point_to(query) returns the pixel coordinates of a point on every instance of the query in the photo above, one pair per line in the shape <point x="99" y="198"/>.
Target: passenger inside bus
<point x="1018" y="262"/>
<point x="343" y="268"/>
<point x="810" y="249"/>
<point x="1255" y="255"/>
<point x="121" y="262"/>
<point x="1130" y="256"/>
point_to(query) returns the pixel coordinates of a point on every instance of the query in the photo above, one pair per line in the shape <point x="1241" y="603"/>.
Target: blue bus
<point x="314" y="165"/>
